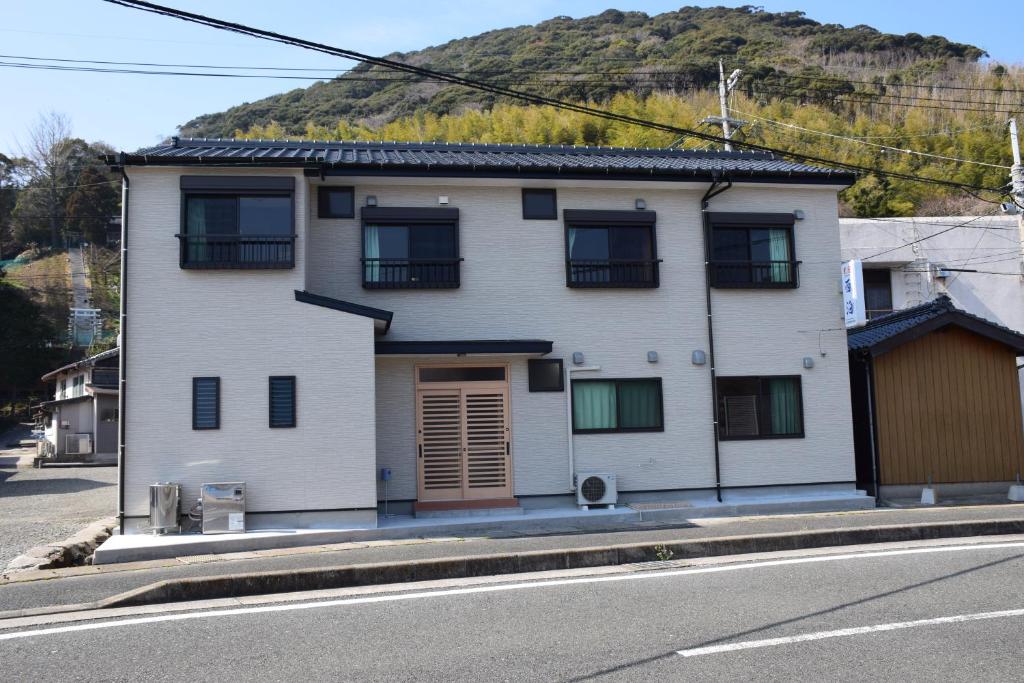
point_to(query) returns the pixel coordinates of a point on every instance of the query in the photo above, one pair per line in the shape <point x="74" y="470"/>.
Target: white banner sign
<point x="853" y="294"/>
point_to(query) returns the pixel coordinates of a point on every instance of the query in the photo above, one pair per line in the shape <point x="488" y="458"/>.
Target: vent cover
<point x="593" y="489"/>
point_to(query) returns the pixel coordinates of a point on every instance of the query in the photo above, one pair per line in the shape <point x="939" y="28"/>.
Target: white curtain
<point x="779" y="251"/>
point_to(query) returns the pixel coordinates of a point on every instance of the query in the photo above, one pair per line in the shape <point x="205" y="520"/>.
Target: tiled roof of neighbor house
<point x="84" y="363"/>
<point x="889" y="331"/>
<point x="439" y="158"/>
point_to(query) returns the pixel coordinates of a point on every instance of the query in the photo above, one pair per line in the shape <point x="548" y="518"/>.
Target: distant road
<point x="923" y="613"/>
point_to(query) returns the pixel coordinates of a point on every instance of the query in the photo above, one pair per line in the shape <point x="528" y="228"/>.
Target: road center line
<point x="639" y="576"/>
<point x="843" y="632"/>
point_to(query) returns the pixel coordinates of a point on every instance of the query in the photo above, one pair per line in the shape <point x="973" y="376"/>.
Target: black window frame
<point x="617" y="381"/>
<point x="761" y="388"/>
<point x="532" y="363"/>
<point x="749" y="222"/>
<point x="237" y="187"/>
<point x="650" y="277"/>
<point x="537" y="191"/>
<point x="323" y="201"/>
<point x="270" y="402"/>
<point x="447" y="271"/>
<point x="216" y="384"/>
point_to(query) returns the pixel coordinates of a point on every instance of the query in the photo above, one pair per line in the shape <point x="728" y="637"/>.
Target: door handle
<point x="508" y="448"/>
<point x="421" y="450"/>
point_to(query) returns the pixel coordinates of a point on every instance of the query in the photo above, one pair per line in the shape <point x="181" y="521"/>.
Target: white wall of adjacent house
<point x="242" y="326"/>
<point x="513" y="286"/>
<point x="990" y="244"/>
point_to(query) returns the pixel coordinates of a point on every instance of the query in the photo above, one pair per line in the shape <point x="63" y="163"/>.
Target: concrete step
<point x="478" y="512"/>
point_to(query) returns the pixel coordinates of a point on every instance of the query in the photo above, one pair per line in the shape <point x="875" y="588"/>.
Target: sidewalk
<point x="87" y="584"/>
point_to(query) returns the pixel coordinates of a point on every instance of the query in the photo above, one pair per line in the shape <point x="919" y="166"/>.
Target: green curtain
<point x="639" y="405"/>
<point x="371" y="250"/>
<point x="785" y="400"/>
<point x="593" y="405"/>
<point x="779" y="251"/>
<point x="195" y="225"/>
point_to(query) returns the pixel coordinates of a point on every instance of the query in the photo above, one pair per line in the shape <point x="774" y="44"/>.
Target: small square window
<point x="546" y="374"/>
<point x="539" y="205"/>
<point x="335" y="202"/>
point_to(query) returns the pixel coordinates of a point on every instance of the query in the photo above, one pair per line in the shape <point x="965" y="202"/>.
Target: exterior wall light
<point x="577" y="358"/>
<point x="698" y="357"/>
<point x="641" y="204"/>
<point x="652" y="356"/>
<point x="808" y="362"/>
<point x="442" y="199"/>
<point x="798" y="214"/>
<point x="371" y="200"/>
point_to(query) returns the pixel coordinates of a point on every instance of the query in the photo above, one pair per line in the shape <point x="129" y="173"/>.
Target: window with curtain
<point x="238" y="230"/>
<point x="410" y="255"/>
<point x="617" y="405"/>
<point x="760" y="407"/>
<point x="611" y="256"/>
<point x="752" y="256"/>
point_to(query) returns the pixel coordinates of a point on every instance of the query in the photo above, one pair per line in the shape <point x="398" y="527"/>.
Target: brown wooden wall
<point x="948" y="404"/>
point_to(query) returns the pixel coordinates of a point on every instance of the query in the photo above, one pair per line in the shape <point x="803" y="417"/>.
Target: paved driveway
<point x="39" y="506"/>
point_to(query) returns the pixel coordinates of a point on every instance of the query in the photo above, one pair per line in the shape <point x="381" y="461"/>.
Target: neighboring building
<point x="485" y="321"/>
<point x="81" y="422"/>
<point x="936" y="399"/>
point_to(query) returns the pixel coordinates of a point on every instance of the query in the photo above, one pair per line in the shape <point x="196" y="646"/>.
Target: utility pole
<point x="1017" y="177"/>
<point x="725" y="88"/>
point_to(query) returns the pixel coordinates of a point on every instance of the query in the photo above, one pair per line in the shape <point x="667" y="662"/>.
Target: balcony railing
<point x="237" y="251"/>
<point x="411" y="273"/>
<point x="104" y="377"/>
<point x="755" y="274"/>
<point x="612" y="273"/>
<point x="877" y="312"/>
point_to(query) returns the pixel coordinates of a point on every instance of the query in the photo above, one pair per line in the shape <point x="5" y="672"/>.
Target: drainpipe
<point x="122" y="337"/>
<point x="568" y="424"/>
<point x="869" y="377"/>
<point x="714" y="190"/>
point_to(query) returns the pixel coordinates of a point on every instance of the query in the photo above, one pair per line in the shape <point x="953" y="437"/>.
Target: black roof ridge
<point x="185" y="142"/>
<point x="346" y="307"/>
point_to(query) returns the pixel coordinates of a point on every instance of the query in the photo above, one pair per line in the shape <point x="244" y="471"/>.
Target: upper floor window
<point x="539" y="204"/>
<point x="335" y="202"/>
<point x="877" y="292"/>
<point x="760" y="407"/>
<point x="410" y="248"/>
<point x="610" y="249"/>
<point x="752" y="250"/>
<point x="237" y="222"/>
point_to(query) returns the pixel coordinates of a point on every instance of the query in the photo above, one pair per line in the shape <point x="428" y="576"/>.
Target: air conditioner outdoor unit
<point x="78" y="444"/>
<point x="595" y="488"/>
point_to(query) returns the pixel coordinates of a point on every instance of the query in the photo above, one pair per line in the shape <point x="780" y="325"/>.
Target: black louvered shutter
<point x="282" y="401"/>
<point x="206" y="403"/>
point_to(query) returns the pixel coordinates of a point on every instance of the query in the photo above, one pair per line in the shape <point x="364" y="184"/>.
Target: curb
<point x="345" y="576"/>
<point x="72" y="551"/>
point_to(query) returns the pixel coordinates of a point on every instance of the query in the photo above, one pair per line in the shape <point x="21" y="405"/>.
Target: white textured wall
<point x="243" y="326"/>
<point x="513" y="287"/>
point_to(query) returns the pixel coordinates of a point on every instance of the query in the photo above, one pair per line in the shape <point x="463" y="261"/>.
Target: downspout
<point x="870" y="378"/>
<point x="714" y="190"/>
<point x="122" y="337"/>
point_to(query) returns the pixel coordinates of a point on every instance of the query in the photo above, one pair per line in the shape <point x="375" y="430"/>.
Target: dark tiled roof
<point x="84" y="363"/>
<point x="439" y="158"/>
<point x="889" y="331"/>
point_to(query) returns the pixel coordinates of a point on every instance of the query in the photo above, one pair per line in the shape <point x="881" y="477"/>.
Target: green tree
<point x="28" y="342"/>
<point x="91" y="205"/>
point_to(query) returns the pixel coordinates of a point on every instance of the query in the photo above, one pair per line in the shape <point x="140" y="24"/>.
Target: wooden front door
<point x="463" y="440"/>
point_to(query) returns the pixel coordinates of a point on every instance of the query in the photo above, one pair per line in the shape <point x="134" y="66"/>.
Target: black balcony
<point x="411" y="273"/>
<point x="612" y="273"/>
<point x="237" y="251"/>
<point x="755" y="274"/>
<point x="105" y="378"/>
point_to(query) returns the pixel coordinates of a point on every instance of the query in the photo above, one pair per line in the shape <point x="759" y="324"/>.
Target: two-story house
<point x="81" y="421"/>
<point x="486" y="322"/>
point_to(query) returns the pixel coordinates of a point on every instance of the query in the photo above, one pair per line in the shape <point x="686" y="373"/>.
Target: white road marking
<point x="843" y="632"/>
<point x="640" y="576"/>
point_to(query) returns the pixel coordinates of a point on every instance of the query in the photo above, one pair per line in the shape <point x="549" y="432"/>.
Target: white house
<point x="486" y="322"/>
<point x="81" y="421"/>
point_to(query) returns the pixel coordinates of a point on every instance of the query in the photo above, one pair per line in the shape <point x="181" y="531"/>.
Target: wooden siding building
<point x="936" y="397"/>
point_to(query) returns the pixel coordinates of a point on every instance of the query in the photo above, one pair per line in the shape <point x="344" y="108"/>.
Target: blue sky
<point x="130" y="111"/>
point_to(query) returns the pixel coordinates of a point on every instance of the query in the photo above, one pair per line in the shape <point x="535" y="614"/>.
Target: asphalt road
<point x="114" y="580"/>
<point x="709" y="623"/>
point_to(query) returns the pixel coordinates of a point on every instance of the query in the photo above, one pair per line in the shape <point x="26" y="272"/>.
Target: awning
<point x="492" y="347"/>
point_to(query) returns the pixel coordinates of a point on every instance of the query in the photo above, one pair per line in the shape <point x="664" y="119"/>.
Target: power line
<point x="922" y="239"/>
<point x="865" y="142"/>
<point x="507" y="92"/>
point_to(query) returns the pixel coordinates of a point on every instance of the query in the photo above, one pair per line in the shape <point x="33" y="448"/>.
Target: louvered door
<point x="439" y="414"/>
<point x="463" y="441"/>
<point x="487" y="446"/>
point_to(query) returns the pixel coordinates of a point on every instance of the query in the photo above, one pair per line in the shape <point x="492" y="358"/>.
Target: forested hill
<point x="595" y="58"/>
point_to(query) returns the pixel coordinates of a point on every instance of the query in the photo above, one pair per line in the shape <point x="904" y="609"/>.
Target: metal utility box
<point x="223" y="508"/>
<point x="164" y="508"/>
